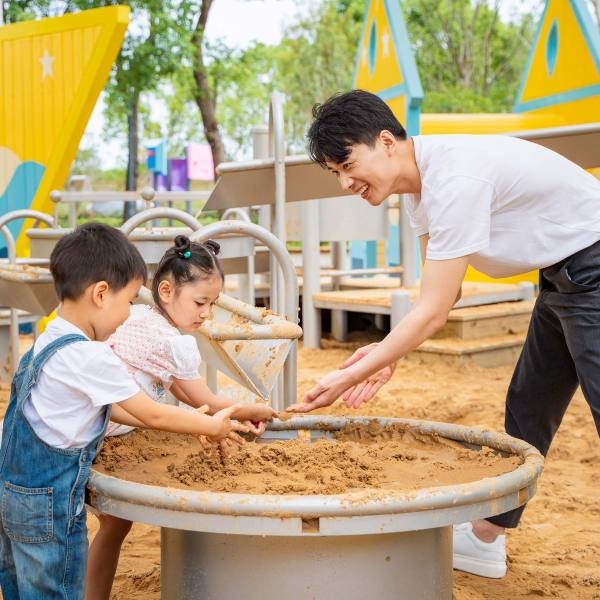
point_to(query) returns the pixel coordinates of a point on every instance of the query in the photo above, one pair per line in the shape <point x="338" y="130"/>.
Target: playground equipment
<point x="57" y="68"/>
<point x="267" y="338"/>
<point x="324" y="546"/>
<point x="26" y="293"/>
<point x="559" y="91"/>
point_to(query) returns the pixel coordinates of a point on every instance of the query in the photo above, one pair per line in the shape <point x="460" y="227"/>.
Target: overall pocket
<point x="27" y="513"/>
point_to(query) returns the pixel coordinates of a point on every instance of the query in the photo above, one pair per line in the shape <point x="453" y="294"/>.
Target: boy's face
<point x="113" y="307"/>
<point x="368" y="171"/>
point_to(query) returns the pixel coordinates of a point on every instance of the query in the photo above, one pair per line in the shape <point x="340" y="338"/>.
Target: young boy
<point x="505" y="206"/>
<point x="61" y="399"/>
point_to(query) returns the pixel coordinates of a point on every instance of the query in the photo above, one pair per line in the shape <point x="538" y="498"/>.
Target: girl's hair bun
<point x="212" y="246"/>
<point x="182" y="244"/>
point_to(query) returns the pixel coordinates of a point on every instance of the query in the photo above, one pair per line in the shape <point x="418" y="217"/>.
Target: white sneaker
<point x="477" y="557"/>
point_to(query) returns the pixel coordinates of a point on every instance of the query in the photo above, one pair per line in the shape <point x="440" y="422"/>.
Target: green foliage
<point x="468" y="59"/>
<point x="315" y="60"/>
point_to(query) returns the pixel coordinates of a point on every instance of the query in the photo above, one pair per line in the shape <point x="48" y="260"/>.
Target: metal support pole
<point x="401" y="305"/>
<point x="246" y="290"/>
<point x="260" y="149"/>
<point x="408" y="243"/>
<point x="311" y="273"/>
<point x="277" y="150"/>
<point x="339" y="318"/>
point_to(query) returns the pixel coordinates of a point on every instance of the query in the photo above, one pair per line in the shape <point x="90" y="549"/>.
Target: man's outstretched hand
<point x="337" y="383"/>
<point x="365" y="390"/>
<point x="326" y="392"/>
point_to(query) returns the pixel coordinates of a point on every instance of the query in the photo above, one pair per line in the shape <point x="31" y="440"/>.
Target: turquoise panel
<point x="19" y="194"/>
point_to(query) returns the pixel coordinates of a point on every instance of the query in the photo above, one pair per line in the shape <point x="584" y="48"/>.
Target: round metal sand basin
<point x="355" y="545"/>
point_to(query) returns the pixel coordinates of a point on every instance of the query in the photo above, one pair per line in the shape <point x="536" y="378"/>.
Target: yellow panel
<point x="582" y="110"/>
<point x="386" y="69"/>
<point x="398" y="106"/>
<point x="52" y="72"/>
<point x="474" y="275"/>
<point x="575" y="66"/>
<point x="489" y="123"/>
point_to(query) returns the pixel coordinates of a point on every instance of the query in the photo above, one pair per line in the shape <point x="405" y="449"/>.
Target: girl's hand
<point x="255" y="412"/>
<point x="225" y="428"/>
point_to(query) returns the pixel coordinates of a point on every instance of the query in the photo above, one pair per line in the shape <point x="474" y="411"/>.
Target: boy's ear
<point x="98" y="293"/>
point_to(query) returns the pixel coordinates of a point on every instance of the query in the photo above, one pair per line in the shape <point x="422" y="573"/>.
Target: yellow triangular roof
<point x="564" y="63"/>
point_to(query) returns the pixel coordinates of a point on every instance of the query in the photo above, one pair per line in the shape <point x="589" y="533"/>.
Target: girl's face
<point x="190" y="304"/>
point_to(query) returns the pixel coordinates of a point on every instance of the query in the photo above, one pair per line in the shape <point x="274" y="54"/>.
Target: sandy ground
<point x="553" y="554"/>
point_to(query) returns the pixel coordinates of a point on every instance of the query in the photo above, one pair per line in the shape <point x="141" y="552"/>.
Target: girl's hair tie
<point x="186" y="254"/>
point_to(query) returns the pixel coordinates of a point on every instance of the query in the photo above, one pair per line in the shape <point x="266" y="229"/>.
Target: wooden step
<point x="478" y="322"/>
<point x="492" y="351"/>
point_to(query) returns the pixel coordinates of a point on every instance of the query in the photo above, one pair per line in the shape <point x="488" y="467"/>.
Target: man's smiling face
<point x="367" y="171"/>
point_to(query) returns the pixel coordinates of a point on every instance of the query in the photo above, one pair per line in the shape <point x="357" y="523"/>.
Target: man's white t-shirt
<point x="513" y="205"/>
<point x="66" y="405"/>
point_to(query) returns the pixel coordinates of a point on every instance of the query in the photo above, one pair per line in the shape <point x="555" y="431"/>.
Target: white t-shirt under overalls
<point x="66" y="405"/>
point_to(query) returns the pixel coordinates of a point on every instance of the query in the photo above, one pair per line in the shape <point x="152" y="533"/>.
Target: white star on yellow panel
<point x="46" y="62"/>
<point x="385" y="41"/>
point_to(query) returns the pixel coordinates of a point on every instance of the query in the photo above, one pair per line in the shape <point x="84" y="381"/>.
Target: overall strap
<point x="35" y="366"/>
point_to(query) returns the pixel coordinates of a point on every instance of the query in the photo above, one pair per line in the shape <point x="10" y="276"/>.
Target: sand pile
<point x="360" y="457"/>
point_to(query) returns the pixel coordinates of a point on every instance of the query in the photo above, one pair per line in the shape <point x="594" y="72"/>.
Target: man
<point x="505" y="206"/>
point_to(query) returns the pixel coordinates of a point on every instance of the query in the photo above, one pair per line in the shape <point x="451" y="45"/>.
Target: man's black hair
<point x="355" y="117"/>
<point x="185" y="262"/>
<point x="94" y="252"/>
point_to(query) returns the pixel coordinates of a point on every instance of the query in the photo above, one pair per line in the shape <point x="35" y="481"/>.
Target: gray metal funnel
<point x="246" y="343"/>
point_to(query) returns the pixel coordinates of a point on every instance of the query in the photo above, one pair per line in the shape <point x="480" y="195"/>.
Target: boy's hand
<point x="225" y="428"/>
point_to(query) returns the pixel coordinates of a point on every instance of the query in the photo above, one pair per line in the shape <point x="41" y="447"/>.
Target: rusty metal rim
<point x="364" y="502"/>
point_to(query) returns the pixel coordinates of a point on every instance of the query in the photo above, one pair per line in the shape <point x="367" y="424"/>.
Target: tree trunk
<point x="131" y="176"/>
<point x="205" y="100"/>
<point x="596" y="7"/>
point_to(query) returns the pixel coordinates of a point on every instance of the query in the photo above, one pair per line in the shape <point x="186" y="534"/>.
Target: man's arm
<point x="440" y="285"/>
<point x="423" y="240"/>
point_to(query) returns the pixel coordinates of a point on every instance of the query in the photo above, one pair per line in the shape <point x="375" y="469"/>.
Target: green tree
<point x="469" y="60"/>
<point x="153" y="49"/>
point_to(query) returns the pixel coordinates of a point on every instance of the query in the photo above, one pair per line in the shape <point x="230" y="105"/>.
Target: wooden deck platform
<point x="379" y="300"/>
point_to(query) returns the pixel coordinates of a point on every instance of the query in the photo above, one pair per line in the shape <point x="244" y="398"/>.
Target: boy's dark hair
<point x="187" y="261"/>
<point x="355" y="117"/>
<point x="94" y="252"/>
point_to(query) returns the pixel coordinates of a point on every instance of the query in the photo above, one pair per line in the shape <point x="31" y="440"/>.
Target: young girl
<point x="186" y="284"/>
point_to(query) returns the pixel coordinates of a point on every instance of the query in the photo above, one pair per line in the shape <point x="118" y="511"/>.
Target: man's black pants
<point x="562" y="351"/>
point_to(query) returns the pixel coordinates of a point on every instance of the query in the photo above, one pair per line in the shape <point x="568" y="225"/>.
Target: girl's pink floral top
<point x="155" y="352"/>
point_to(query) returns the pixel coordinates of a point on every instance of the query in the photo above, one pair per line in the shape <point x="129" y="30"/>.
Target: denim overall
<point x="43" y="533"/>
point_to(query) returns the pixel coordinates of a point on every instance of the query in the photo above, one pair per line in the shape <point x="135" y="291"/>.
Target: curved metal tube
<point x="15" y="215"/>
<point x="11" y="251"/>
<point x="365" y="502"/>
<point x="222" y="228"/>
<point x="238" y="213"/>
<point x="159" y="213"/>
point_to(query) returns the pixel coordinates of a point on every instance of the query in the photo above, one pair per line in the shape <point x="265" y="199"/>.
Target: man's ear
<point x="98" y="293"/>
<point x="388" y="140"/>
